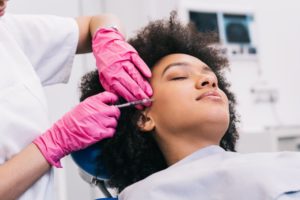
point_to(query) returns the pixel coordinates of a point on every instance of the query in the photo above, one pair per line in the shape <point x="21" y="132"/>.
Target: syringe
<point x="133" y="103"/>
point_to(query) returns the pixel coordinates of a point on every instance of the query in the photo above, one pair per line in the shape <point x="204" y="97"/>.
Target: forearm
<point x="88" y="25"/>
<point x="20" y="172"/>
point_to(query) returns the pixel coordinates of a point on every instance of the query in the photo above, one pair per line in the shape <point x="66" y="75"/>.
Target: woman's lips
<point x="209" y="94"/>
<point x="2" y="11"/>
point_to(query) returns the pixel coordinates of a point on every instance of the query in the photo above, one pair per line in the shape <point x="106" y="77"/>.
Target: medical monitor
<point x="232" y="25"/>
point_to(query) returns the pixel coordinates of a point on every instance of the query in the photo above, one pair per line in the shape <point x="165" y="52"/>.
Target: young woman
<point x="182" y="146"/>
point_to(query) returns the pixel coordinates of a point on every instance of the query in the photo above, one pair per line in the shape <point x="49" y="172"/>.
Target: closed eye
<point x="178" y="78"/>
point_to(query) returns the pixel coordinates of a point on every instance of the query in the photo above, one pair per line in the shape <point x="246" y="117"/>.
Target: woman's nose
<point x="206" y="81"/>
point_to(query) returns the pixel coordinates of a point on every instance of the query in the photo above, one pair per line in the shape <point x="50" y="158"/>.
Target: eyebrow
<point x="206" y="68"/>
<point x="173" y="65"/>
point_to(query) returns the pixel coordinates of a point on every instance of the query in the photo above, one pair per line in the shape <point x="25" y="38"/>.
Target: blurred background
<point x="261" y="39"/>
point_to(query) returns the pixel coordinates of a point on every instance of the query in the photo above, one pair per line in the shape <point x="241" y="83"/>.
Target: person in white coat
<point x="182" y="147"/>
<point x="38" y="50"/>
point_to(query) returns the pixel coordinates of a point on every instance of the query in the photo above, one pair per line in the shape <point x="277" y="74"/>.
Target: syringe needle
<point x="133" y="103"/>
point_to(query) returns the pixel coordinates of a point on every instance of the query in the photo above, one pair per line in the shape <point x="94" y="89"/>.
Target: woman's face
<point x="187" y="98"/>
<point x="3" y="4"/>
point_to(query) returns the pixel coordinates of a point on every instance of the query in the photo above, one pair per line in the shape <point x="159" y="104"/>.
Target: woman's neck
<point x="175" y="149"/>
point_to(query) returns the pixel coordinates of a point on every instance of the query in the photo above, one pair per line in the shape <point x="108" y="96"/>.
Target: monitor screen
<point x="236" y="29"/>
<point x="205" y="22"/>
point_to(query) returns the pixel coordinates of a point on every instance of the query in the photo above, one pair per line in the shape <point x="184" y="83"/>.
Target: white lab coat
<point x="34" y="51"/>
<point x="214" y="174"/>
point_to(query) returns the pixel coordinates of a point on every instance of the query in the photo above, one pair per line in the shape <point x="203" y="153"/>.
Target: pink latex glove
<point x="121" y="70"/>
<point x="89" y="122"/>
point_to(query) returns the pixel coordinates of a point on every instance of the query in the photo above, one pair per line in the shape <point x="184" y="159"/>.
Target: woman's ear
<point x="146" y="122"/>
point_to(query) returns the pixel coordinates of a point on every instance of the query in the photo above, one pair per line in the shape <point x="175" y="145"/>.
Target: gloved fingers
<point x="102" y="104"/>
<point x="141" y="65"/>
<point x="123" y="91"/>
<point x="145" y="71"/>
<point x="128" y="88"/>
<point x="109" y="132"/>
<point x="107" y="97"/>
<point x="110" y="112"/>
<point x="107" y="112"/>
<point x="139" y="86"/>
<point x="109" y="122"/>
<point x="130" y="92"/>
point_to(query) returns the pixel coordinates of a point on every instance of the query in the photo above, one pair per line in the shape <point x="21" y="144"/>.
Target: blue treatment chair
<point x="86" y="160"/>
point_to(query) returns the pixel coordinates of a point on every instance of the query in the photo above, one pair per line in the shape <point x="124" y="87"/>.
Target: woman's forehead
<point x="177" y="59"/>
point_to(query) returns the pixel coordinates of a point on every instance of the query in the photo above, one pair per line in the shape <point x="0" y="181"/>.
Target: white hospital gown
<point x="214" y="174"/>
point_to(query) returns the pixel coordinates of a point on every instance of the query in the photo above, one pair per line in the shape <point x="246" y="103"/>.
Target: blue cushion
<point x="87" y="158"/>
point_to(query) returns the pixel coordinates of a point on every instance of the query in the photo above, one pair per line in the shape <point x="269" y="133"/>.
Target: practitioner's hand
<point x="121" y="70"/>
<point x="89" y="122"/>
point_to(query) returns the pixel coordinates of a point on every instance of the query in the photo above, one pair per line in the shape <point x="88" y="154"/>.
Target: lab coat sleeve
<point x="49" y="42"/>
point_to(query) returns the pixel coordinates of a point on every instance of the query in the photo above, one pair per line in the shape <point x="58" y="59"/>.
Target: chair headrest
<point x="88" y="161"/>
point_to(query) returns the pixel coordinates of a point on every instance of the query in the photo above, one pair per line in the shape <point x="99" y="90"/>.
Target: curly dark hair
<point x="131" y="156"/>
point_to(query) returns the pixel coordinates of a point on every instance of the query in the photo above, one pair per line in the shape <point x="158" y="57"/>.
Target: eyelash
<point x="178" y="78"/>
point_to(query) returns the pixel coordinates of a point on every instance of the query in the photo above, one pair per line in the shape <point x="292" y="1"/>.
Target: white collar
<point x="200" y="153"/>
